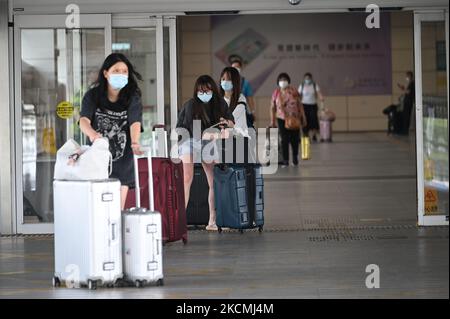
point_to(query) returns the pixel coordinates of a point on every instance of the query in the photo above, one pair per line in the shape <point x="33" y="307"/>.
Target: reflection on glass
<point x="167" y="78"/>
<point x="139" y="45"/>
<point x="57" y="65"/>
<point x="435" y="119"/>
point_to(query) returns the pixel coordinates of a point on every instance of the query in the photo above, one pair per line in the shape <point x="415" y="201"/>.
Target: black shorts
<point x="123" y="170"/>
<point x="312" y="119"/>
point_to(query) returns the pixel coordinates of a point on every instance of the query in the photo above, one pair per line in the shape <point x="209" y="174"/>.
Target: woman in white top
<point x="230" y="88"/>
<point x="309" y="93"/>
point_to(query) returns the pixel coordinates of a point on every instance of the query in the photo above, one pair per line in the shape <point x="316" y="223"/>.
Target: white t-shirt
<point x="307" y="93"/>
<point x="240" y="116"/>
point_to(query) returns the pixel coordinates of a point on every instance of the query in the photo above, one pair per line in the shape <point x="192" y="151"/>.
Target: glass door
<point x="431" y="65"/>
<point x="54" y="66"/>
<point x="150" y="44"/>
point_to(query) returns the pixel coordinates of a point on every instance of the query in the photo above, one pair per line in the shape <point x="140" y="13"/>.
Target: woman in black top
<point x="112" y="108"/>
<point x="205" y="109"/>
<point x="409" y="95"/>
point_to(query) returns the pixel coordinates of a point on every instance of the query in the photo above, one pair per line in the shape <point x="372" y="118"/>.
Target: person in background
<point x="210" y="108"/>
<point x="409" y="92"/>
<point x="112" y="108"/>
<point x="286" y="100"/>
<point x="310" y="93"/>
<point x="230" y="90"/>
<point x="246" y="89"/>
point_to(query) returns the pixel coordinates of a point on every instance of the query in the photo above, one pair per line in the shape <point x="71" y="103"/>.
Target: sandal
<point x="212" y="227"/>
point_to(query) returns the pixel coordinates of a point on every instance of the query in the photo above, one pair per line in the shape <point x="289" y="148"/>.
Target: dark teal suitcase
<point x="239" y="196"/>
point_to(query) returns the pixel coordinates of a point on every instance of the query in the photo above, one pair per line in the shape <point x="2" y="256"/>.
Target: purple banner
<point x="344" y="56"/>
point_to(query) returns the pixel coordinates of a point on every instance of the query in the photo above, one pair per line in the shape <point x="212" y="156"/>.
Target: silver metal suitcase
<point x="88" y="243"/>
<point x="142" y="239"/>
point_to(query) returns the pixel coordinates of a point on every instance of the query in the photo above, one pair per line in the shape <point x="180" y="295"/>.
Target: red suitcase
<point x="168" y="188"/>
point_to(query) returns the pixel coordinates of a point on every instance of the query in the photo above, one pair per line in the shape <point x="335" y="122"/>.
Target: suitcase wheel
<point x="119" y="283"/>
<point x="56" y="282"/>
<point x="92" y="284"/>
<point x="139" y="284"/>
<point x="241" y="231"/>
<point x="160" y="282"/>
<point x="219" y="229"/>
<point x="184" y="240"/>
<point x="260" y="229"/>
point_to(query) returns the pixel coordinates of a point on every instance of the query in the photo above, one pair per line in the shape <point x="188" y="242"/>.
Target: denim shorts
<point x="206" y="151"/>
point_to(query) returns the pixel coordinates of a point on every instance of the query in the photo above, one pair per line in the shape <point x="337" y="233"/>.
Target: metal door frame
<point x="419" y="16"/>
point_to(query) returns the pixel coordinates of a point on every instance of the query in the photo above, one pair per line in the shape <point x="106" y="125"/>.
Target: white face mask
<point x="283" y="84"/>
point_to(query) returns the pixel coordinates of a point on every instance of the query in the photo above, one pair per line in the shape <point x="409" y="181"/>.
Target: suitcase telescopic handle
<point x="136" y="182"/>
<point x="150" y="179"/>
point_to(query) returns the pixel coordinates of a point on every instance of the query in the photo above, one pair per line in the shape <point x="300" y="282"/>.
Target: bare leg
<point x="209" y="171"/>
<point x="123" y="196"/>
<point x="188" y="171"/>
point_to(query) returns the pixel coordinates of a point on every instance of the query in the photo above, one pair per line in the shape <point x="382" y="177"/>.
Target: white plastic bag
<point x="75" y="162"/>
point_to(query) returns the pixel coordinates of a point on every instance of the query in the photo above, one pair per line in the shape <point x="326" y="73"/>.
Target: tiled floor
<point x="353" y="204"/>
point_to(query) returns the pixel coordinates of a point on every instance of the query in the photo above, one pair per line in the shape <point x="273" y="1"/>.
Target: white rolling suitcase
<point x="142" y="239"/>
<point x="88" y="243"/>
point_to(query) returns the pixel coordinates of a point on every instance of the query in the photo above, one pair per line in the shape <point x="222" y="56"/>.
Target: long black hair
<point x="203" y="83"/>
<point x="100" y="86"/>
<point x="235" y="78"/>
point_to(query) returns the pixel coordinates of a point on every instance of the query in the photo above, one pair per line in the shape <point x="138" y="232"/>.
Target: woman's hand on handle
<point x="136" y="147"/>
<point x="226" y="122"/>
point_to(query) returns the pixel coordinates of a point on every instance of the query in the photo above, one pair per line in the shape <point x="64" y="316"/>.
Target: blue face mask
<point x="308" y="81"/>
<point x="118" y="81"/>
<point x="204" y="97"/>
<point x="226" y="85"/>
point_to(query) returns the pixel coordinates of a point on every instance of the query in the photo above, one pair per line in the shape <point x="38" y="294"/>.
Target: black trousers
<point x="289" y="137"/>
<point x="312" y="119"/>
<point x="406" y="117"/>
